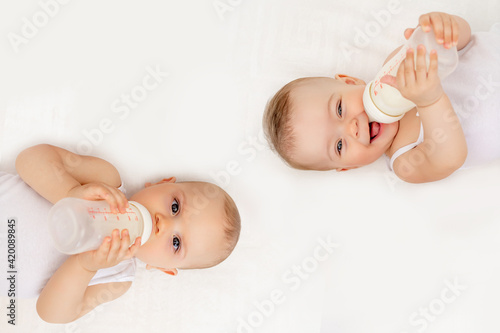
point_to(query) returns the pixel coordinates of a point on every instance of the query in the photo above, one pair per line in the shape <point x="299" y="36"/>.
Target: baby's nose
<point x="162" y="223"/>
<point x="354" y="128"/>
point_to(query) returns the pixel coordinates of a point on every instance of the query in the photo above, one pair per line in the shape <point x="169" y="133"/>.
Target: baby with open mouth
<point x="320" y="123"/>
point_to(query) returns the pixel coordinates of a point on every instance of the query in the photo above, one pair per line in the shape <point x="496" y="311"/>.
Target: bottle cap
<point x="373" y="112"/>
<point x="147" y="221"/>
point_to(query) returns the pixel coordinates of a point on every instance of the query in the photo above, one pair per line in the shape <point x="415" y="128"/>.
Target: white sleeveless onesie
<point x="474" y="92"/>
<point x="36" y="259"/>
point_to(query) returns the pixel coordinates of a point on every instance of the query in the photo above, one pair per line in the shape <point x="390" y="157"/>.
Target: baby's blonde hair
<point x="276" y="123"/>
<point x="231" y="225"/>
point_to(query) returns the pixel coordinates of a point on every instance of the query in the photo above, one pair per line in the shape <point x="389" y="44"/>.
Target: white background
<point x="398" y="242"/>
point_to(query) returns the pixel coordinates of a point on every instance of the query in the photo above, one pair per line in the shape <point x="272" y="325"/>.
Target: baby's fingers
<point x="454" y="38"/>
<point x="444" y="25"/>
<point x="409" y="68"/>
<point x="447" y="27"/>
<point x="114" y="248"/>
<point x="433" y="65"/>
<point x="390" y="80"/>
<point x="450" y="30"/>
<point x="400" y="77"/>
<point x="421" y="67"/>
<point x="408" y="32"/>
<point x="116" y="199"/>
<point x="111" y="199"/>
<point x="133" y="249"/>
<point x="438" y="24"/>
<point x="99" y="191"/>
<point x="103" y="250"/>
<point x="124" y="243"/>
<point x="425" y="22"/>
<point x="123" y="251"/>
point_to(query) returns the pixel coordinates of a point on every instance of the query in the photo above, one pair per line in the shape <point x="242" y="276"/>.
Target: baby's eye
<point x="175" y="207"/>
<point x="176" y="242"/>
<point x="339" y="109"/>
<point x="339" y="146"/>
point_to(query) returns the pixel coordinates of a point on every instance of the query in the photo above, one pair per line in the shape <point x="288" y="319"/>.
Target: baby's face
<point x="187" y="223"/>
<point x="331" y="129"/>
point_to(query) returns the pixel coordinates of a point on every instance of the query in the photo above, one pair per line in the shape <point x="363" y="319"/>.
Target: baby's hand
<point x="112" y="251"/>
<point x="100" y="191"/>
<point x="419" y="85"/>
<point x="445" y="28"/>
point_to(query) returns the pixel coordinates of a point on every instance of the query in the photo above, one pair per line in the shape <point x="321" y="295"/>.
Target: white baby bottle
<point x="78" y="225"/>
<point x="384" y="103"/>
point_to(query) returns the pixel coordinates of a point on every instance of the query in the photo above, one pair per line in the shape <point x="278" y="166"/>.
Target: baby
<point x="319" y="123"/>
<point x="195" y="225"/>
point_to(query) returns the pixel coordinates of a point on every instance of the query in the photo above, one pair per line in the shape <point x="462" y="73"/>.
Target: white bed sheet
<point x="358" y="251"/>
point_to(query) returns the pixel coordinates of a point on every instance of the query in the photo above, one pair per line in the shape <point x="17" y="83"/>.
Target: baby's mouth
<point x="374" y="130"/>
<point x="155" y="225"/>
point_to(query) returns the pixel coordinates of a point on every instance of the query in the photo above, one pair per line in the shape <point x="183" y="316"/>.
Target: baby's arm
<point x="444" y="148"/>
<point x="56" y="173"/>
<point x="67" y="296"/>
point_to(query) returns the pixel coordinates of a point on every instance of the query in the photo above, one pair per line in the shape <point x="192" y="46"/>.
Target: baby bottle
<point x="384" y="103"/>
<point x="78" y="225"/>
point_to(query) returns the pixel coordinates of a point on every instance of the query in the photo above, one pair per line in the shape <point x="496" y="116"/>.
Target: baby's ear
<point x="172" y="271"/>
<point x="169" y="271"/>
<point x="164" y="180"/>
<point x="349" y="79"/>
<point x="345" y="169"/>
